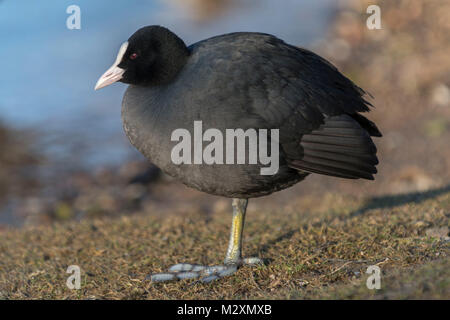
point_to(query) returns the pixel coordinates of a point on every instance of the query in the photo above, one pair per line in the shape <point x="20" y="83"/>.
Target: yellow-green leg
<point x="233" y="259"/>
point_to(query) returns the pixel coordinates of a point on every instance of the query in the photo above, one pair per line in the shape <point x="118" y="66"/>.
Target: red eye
<point x="133" y="56"/>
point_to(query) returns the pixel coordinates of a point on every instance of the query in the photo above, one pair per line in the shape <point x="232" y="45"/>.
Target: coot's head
<point x="152" y="55"/>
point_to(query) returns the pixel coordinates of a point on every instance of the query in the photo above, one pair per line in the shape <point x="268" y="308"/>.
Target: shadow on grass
<point x="285" y="236"/>
<point x="383" y="202"/>
<point x="391" y="201"/>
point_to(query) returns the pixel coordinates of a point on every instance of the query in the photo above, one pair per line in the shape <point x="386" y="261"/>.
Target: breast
<point x="151" y="115"/>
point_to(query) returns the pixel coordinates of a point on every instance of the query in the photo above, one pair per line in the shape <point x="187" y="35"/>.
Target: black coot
<point x="249" y="81"/>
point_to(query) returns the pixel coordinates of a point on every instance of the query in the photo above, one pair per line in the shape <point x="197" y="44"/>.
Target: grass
<point x="319" y="251"/>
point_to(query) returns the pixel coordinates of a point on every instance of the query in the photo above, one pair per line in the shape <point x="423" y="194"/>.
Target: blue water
<point x="48" y="72"/>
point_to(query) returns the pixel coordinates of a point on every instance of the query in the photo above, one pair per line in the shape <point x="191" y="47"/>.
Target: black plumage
<point x="244" y="80"/>
<point x="254" y="80"/>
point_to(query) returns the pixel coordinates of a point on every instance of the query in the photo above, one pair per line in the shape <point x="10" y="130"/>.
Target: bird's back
<point x="253" y="80"/>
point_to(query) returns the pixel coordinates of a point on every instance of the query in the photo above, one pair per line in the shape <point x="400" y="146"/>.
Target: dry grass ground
<point x="318" y="237"/>
<point x="318" y="251"/>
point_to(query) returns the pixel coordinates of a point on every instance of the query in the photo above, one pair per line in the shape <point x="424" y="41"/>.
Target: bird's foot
<point x="203" y="273"/>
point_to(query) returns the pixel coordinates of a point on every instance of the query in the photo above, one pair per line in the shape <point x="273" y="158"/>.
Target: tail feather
<point x="341" y="147"/>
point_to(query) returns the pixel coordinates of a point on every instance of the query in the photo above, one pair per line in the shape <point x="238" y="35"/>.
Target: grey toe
<point x="209" y="278"/>
<point x="228" y="271"/>
<point x="187" y="275"/>
<point x="180" y="267"/>
<point x="181" y="271"/>
<point x="252" y="261"/>
<point x="158" y="277"/>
